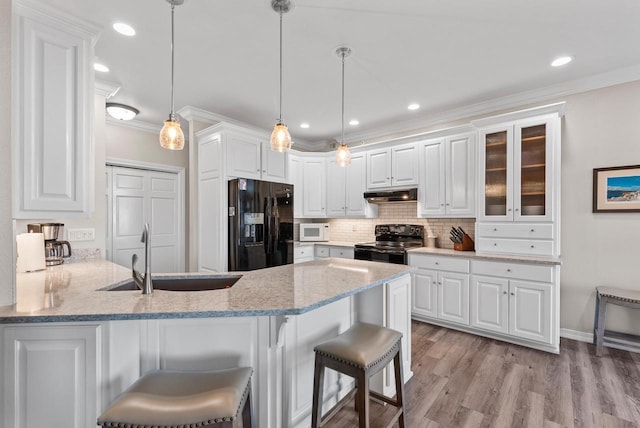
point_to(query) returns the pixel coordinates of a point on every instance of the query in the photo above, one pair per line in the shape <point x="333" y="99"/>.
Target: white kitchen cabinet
<point x="346" y="187"/>
<point x="52" y="375"/>
<point x="250" y="156"/>
<point x="53" y="107"/>
<point x="303" y="253"/>
<point x="518" y="308"/>
<point x="515" y="302"/>
<point x="296" y="178"/>
<point x="441" y="288"/>
<point x="341" y="252"/>
<point x="395" y="166"/>
<point x="515" y="299"/>
<point x="314" y="187"/>
<point x="447" y="177"/>
<point x="322" y="251"/>
<point x="519" y="177"/>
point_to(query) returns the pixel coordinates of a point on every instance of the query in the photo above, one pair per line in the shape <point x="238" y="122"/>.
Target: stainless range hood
<point x="388" y="196"/>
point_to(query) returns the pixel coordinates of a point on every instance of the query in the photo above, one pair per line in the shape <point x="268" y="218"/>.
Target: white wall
<point x="7" y="267"/>
<point x="123" y="142"/>
<point x="601" y="129"/>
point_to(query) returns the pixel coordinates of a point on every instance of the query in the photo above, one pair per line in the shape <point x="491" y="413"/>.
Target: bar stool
<point x="179" y="399"/>
<point x="615" y="296"/>
<point x="360" y="352"/>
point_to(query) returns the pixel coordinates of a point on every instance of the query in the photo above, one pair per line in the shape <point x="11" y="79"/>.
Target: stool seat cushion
<point x="180" y="399"/>
<point x="362" y="345"/>
<point x="631" y="296"/>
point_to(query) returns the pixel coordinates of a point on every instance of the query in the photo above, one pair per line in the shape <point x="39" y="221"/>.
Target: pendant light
<point x="171" y="136"/>
<point x="280" y="137"/>
<point x="343" y="156"/>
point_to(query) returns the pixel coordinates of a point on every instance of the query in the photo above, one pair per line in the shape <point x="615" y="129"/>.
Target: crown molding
<point x="106" y="89"/>
<point x="134" y="124"/>
<point x="603" y="80"/>
<point x="46" y="13"/>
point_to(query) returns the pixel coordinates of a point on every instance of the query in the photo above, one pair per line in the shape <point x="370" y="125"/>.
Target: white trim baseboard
<point x="609" y="342"/>
<point x="580" y="336"/>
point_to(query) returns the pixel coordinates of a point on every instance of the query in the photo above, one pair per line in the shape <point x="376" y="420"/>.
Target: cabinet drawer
<point x="303" y="252"/>
<point x="511" y="230"/>
<point x="516" y="246"/>
<point x="342" y="252"/>
<point x="513" y="270"/>
<point x="322" y="251"/>
<point x="452" y="264"/>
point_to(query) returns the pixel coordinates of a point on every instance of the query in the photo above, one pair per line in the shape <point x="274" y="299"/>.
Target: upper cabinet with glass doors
<point x="518" y="181"/>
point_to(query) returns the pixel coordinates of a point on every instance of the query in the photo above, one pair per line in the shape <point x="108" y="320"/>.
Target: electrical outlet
<point x="75" y="235"/>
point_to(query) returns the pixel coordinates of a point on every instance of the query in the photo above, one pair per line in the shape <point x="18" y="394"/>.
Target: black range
<point x="391" y="244"/>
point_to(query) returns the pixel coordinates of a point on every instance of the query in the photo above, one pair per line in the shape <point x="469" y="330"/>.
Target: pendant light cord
<point x="280" y="117"/>
<point x="343" y="97"/>
<point x="171" y="115"/>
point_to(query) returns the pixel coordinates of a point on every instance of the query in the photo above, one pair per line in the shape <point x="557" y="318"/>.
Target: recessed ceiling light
<point x="354" y="122"/>
<point x="121" y="111"/>
<point x="124" y="29"/>
<point x="562" y="60"/>
<point x="304" y="125"/>
<point x="100" y="67"/>
<point x="413" y="106"/>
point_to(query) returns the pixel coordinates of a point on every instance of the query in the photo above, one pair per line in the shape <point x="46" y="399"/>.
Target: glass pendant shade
<point x="171" y="136"/>
<point x="280" y="138"/>
<point x="343" y="155"/>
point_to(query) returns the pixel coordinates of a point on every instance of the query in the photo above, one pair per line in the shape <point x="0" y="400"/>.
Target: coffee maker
<point x="54" y="249"/>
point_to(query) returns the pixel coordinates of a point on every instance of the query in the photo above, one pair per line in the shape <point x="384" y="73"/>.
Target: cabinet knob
<point x="504" y="292"/>
<point x="533" y="246"/>
<point x="258" y="170"/>
<point x="495" y="229"/>
<point x="532" y="230"/>
<point x="388" y="178"/>
<point x="509" y="210"/>
<point x="439" y="283"/>
<point x="442" y="205"/>
<point x="508" y="270"/>
<point x="495" y="244"/>
<point x="437" y="263"/>
<point x="513" y="294"/>
<point x="264" y="170"/>
<point x="447" y="204"/>
<point x="517" y="209"/>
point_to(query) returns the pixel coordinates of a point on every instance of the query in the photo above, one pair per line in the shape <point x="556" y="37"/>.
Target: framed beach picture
<point x="616" y="189"/>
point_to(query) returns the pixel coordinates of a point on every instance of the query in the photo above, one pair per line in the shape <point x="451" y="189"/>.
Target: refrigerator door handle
<point x="267" y="225"/>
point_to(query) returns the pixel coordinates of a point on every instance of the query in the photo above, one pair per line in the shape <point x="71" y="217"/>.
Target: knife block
<point x="466" y="245"/>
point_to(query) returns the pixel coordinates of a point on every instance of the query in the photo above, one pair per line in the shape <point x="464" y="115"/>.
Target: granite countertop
<point x="546" y="260"/>
<point x="76" y="292"/>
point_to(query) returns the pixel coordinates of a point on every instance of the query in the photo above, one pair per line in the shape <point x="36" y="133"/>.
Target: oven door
<point x="378" y="255"/>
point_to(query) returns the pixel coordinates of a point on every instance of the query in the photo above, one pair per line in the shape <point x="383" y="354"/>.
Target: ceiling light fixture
<point x="124" y="29"/>
<point x="171" y="135"/>
<point x="413" y="106"/>
<point x="343" y="156"/>
<point x="562" y="60"/>
<point x="121" y="111"/>
<point x="354" y="122"/>
<point x="304" y="125"/>
<point x="280" y="137"/>
<point x="100" y="67"/>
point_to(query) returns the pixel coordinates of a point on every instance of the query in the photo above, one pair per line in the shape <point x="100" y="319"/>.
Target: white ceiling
<point x="442" y="54"/>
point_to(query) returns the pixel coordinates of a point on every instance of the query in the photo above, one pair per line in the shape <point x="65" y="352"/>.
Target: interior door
<point x="139" y="196"/>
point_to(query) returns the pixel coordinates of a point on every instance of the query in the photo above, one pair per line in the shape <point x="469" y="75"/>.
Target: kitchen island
<point x="70" y="346"/>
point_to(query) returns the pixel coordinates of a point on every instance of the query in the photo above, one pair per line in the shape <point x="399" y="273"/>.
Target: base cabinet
<point x="514" y="302"/>
<point x="51" y="376"/>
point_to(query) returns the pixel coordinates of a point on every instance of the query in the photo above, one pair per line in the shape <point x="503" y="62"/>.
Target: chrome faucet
<point x="143" y="282"/>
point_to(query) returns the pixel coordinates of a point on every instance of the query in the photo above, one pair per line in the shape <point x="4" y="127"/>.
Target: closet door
<point x="140" y="196"/>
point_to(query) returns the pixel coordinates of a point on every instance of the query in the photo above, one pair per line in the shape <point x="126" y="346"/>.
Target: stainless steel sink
<point x="194" y="283"/>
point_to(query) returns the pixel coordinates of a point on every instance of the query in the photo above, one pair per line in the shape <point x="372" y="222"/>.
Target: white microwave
<point x="314" y="231"/>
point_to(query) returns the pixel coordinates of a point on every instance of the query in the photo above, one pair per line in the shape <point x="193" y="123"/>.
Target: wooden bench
<point x="615" y="296"/>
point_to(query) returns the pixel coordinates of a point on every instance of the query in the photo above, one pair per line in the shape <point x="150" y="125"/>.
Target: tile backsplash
<point x="362" y="229"/>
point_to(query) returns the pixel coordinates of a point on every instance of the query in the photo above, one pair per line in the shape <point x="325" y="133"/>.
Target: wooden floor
<point x="462" y="380"/>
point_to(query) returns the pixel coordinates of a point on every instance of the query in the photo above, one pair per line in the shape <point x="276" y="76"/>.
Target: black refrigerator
<point x="260" y="224"/>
